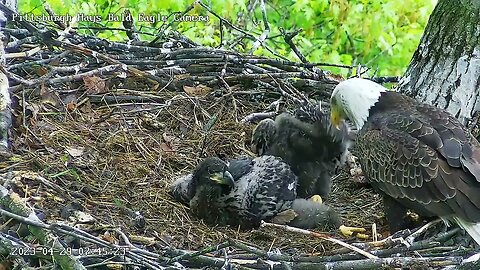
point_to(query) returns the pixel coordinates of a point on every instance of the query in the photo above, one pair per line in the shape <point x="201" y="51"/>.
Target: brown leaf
<point x="165" y="147"/>
<point x="107" y="236"/>
<point x="49" y="97"/>
<point x="41" y="70"/>
<point x="199" y="90"/>
<point x="94" y="85"/>
<point x="170" y="143"/>
<point x="335" y="77"/>
<point x="71" y="106"/>
<point x="75" y="152"/>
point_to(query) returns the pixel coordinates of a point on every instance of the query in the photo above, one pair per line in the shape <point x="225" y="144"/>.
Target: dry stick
<point x="224" y="20"/>
<point x="36" y="177"/>
<point x="204" y="52"/>
<point x="79" y="76"/>
<point x="388" y="248"/>
<point x="95" y="42"/>
<point x="246" y="77"/>
<point x="136" y="254"/>
<point x="13" y="202"/>
<point x="202" y="259"/>
<point x="43" y="35"/>
<point x="46" y="78"/>
<point x="162" y="27"/>
<point x="18" y="42"/>
<point x="299" y="94"/>
<point x="111" y="265"/>
<point x="230" y="94"/>
<point x="8" y="244"/>
<point x="38" y="62"/>
<point x="261" y="69"/>
<point x="421" y="230"/>
<point x="50" y="12"/>
<point x="129" y="26"/>
<point x="187" y="256"/>
<point x="262" y="253"/>
<point x="95" y="54"/>
<point x="318" y="235"/>
<point x="23" y="54"/>
<point x="343" y="262"/>
<point x="421" y="246"/>
<point x="295" y="95"/>
<point x="384" y="263"/>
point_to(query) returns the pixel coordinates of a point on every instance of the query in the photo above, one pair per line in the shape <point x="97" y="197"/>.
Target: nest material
<point x="108" y="137"/>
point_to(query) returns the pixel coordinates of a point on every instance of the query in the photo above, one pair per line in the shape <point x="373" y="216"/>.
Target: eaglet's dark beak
<point x="223" y="178"/>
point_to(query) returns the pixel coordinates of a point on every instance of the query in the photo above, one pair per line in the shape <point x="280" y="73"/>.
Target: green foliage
<point x="382" y="34"/>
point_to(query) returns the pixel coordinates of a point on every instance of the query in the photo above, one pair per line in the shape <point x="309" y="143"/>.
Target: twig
<point x="382" y="263"/>
<point x="46" y="78"/>
<point x="12" y="201"/>
<point x="288" y="37"/>
<point x="135" y="254"/>
<point x="318" y="235"/>
<point x="98" y="55"/>
<point x="201" y="259"/>
<point x="422" y="229"/>
<point x="187" y="256"/>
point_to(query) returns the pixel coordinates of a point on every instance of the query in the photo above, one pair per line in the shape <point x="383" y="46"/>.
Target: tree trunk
<point x="12" y="4"/>
<point x="445" y="68"/>
<point x="5" y="101"/>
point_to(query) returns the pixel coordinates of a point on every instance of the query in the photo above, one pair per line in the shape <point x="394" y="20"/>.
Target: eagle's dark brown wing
<point x="419" y="164"/>
<point x="458" y="147"/>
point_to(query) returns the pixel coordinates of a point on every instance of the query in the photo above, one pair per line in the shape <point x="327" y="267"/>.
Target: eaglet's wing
<point x="268" y="188"/>
<point x="411" y="161"/>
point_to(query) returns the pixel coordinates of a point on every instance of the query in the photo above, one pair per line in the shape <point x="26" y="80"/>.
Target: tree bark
<point x="12" y="4"/>
<point x="445" y="68"/>
<point x="5" y="101"/>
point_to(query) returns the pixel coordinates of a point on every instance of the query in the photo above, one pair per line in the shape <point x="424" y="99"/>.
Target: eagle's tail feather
<point x="473" y="229"/>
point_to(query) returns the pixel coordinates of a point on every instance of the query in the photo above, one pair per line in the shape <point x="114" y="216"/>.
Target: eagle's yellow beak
<point x="335" y="116"/>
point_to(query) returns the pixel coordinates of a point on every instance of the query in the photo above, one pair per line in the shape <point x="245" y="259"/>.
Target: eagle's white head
<point x="353" y="99"/>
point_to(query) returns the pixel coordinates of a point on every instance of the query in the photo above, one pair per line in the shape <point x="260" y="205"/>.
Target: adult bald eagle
<point x="416" y="155"/>
<point x="305" y="141"/>
<point x="246" y="191"/>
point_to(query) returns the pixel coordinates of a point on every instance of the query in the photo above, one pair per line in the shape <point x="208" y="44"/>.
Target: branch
<point x="318" y="235"/>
